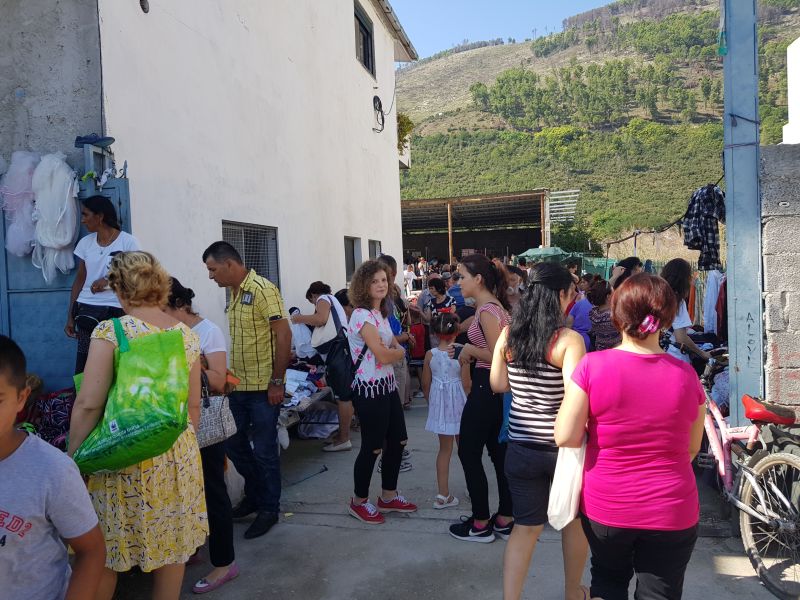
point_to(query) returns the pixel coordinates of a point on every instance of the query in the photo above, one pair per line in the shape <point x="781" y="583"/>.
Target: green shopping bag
<point x="147" y="407"/>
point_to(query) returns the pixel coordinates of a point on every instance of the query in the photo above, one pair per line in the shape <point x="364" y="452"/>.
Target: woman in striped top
<point x="483" y="413"/>
<point x="534" y="358"/>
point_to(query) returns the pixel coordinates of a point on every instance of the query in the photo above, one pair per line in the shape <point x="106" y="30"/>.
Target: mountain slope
<point x="624" y="104"/>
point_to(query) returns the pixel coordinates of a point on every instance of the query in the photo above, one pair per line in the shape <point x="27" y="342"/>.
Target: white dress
<point x="447" y="397"/>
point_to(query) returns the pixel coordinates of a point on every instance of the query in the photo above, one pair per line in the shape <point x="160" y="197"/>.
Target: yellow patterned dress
<point x="154" y="513"/>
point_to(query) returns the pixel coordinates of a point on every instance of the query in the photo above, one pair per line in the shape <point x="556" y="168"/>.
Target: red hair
<point x="638" y="297"/>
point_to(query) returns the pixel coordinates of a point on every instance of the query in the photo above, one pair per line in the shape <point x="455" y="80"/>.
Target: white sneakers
<point x="340" y="447"/>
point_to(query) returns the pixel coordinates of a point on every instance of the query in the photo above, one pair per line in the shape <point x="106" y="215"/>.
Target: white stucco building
<point x="791" y="131"/>
<point x="251" y="120"/>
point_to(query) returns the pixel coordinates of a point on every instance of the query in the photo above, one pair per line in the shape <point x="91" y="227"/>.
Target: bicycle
<point x="765" y="489"/>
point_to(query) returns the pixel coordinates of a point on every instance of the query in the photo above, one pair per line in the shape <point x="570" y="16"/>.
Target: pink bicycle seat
<point x="759" y="411"/>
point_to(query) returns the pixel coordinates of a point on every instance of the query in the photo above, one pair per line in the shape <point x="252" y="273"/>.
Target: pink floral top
<point x="372" y="378"/>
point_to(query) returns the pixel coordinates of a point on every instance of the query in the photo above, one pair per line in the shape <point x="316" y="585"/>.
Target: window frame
<point x="365" y="29"/>
<point x="378" y="249"/>
<point x="258" y="229"/>
<point x="356" y="257"/>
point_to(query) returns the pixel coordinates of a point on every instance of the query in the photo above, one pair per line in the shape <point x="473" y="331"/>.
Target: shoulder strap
<point x="336" y="321"/>
<point x="360" y="357"/>
<point x="122" y="339"/>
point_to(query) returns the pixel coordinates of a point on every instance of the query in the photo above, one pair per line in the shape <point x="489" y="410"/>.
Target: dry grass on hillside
<point x="442" y="85"/>
<point x="660" y="247"/>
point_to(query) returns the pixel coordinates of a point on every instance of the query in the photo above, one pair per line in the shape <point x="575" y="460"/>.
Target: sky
<point x="435" y="25"/>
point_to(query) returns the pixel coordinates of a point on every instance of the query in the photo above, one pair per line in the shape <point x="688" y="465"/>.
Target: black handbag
<point x="340" y="370"/>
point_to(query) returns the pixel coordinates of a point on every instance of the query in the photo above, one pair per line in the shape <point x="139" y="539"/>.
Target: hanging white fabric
<point x="56" y="189"/>
<point x="16" y="198"/>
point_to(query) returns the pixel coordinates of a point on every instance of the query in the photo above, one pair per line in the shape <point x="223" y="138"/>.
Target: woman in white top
<point x="215" y="365"/>
<point x="678" y="274"/>
<point x="91" y="300"/>
<point x="319" y="294"/>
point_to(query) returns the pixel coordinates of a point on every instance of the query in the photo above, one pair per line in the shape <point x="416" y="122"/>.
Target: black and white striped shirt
<point x="537" y="396"/>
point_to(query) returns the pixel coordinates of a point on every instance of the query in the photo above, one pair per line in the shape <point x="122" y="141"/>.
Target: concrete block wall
<point x="780" y="205"/>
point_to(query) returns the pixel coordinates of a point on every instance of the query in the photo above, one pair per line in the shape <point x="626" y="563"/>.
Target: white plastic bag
<point x="565" y="493"/>
<point x="56" y="215"/>
<point x="16" y="198"/>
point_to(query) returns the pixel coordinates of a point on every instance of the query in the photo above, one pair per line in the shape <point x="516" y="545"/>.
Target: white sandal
<point x="445" y="502"/>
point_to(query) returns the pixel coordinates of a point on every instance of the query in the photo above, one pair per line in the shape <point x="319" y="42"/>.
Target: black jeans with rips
<point x="383" y="427"/>
<point x="480" y="428"/>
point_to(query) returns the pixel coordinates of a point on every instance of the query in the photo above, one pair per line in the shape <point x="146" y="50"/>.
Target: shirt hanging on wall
<point x="701" y="225"/>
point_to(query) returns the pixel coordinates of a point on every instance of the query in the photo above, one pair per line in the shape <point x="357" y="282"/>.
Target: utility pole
<point x="743" y="203"/>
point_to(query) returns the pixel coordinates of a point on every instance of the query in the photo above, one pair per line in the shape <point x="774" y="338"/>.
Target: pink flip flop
<point x="204" y="586"/>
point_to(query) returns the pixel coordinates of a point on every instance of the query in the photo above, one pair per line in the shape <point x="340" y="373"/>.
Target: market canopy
<point x="551" y="253"/>
<point x="513" y="210"/>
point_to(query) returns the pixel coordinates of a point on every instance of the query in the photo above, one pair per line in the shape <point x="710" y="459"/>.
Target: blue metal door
<point x="34" y="313"/>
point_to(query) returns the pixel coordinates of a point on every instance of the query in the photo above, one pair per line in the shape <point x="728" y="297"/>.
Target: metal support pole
<point x="743" y="204"/>
<point x="450" y="231"/>
<point x="544" y="239"/>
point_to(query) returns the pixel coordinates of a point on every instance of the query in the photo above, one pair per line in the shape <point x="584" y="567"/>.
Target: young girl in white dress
<point x="446" y="384"/>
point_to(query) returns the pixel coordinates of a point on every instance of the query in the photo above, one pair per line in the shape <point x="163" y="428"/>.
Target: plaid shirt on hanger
<point x="701" y="225"/>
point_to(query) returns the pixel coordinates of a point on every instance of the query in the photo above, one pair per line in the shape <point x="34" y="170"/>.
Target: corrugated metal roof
<point x="474" y="213"/>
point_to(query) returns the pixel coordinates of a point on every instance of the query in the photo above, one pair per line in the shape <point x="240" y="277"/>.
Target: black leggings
<point x="383" y="427"/>
<point x="218" y="504"/>
<point x="659" y="559"/>
<point x="480" y="427"/>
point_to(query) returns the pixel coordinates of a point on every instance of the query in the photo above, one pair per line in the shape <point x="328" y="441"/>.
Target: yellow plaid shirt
<point x="256" y="305"/>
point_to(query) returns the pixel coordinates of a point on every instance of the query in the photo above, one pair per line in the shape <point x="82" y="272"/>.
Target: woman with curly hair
<point x="374" y="349"/>
<point x="153" y="514"/>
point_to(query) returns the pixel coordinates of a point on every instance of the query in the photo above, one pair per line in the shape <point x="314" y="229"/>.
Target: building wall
<point x="791" y="131"/>
<point x="495" y="243"/>
<point x="49" y="76"/>
<point x="780" y="200"/>
<point x="256" y="112"/>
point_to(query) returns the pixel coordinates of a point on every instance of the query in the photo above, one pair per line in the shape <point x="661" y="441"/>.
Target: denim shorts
<point x="529" y="470"/>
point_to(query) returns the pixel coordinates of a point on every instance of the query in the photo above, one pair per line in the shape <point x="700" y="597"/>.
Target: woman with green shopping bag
<point x="152" y="513"/>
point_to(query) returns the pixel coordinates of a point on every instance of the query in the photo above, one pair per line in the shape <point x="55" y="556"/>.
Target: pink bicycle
<point x="765" y="487"/>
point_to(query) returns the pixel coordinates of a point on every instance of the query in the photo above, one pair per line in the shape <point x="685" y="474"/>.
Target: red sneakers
<point x="366" y="513"/>
<point x="396" y="504"/>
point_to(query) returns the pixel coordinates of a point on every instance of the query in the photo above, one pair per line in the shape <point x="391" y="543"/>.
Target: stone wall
<point x="780" y="202"/>
<point x="49" y="76"/>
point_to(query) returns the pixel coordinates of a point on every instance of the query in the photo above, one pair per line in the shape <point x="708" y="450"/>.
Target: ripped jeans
<point x="383" y="426"/>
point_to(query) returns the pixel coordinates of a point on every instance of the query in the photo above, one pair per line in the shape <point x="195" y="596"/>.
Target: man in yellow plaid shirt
<point x="261" y="341"/>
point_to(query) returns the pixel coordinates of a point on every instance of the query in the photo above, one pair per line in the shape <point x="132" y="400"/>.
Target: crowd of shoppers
<point x="518" y="360"/>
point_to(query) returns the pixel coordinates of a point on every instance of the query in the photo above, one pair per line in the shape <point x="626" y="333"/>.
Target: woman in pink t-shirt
<point x="643" y="410"/>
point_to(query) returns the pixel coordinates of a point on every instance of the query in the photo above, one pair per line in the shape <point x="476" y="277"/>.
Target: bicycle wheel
<point x="774" y="548"/>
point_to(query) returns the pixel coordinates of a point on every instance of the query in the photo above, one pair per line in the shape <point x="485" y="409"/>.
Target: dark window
<point x="374" y="249"/>
<point x="365" y="45"/>
<point x="352" y="255"/>
<point x="258" y="246"/>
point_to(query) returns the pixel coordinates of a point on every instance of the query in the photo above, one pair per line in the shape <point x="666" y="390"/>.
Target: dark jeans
<point x="383" y="426"/>
<point x="659" y="559"/>
<point x="218" y="504"/>
<point x="259" y="463"/>
<point x="480" y="427"/>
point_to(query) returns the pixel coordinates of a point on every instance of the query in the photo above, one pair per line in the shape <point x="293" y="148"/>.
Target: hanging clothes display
<point x="16" y="198"/>
<point x="699" y="296"/>
<point x="55" y="187"/>
<point x="713" y="282"/>
<point x="722" y="312"/>
<point x="701" y="225"/>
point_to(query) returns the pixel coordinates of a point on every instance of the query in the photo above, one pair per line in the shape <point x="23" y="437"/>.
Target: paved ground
<point x="319" y="552"/>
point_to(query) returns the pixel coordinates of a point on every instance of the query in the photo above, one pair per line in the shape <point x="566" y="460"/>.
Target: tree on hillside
<point x="480" y="95"/>
<point x="705" y="89"/>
